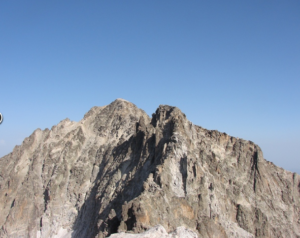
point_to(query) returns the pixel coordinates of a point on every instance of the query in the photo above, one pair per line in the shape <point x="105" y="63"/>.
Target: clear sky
<point x="233" y="66"/>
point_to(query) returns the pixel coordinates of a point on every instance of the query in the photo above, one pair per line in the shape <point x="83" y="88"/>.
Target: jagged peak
<point x="121" y="104"/>
<point x="163" y="112"/>
<point x="121" y="99"/>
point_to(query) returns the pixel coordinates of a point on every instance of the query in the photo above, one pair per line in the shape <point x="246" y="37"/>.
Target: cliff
<point x="118" y="170"/>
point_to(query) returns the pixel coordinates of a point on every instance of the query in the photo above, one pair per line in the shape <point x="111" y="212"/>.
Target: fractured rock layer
<point x="158" y="232"/>
<point x="118" y="170"/>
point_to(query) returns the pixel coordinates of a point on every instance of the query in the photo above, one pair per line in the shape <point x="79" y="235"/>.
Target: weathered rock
<point x="159" y="232"/>
<point x="118" y="170"/>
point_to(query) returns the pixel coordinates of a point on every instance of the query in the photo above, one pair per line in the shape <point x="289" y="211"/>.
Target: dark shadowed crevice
<point x="254" y="169"/>
<point x="131" y="220"/>
<point x="12" y="204"/>
<point x="183" y="171"/>
<point x="46" y="198"/>
<point x="194" y="171"/>
<point x="113" y="225"/>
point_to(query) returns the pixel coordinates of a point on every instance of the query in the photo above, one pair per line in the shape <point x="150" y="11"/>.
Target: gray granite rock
<point x="117" y="170"/>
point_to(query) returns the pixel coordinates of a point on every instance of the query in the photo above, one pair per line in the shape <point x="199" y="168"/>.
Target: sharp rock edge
<point x="117" y="170"/>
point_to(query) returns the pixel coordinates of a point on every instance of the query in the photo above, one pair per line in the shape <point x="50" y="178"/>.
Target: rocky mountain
<point x="117" y="170"/>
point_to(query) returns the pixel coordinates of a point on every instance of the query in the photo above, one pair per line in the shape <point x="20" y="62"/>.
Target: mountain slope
<point x="119" y="170"/>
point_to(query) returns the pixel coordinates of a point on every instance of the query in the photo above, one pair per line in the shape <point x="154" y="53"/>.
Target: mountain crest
<point x="119" y="170"/>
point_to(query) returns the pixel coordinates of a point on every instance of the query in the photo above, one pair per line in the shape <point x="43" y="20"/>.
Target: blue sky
<point x="233" y="66"/>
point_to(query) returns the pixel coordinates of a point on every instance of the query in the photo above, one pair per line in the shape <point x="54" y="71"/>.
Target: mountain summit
<point x="117" y="170"/>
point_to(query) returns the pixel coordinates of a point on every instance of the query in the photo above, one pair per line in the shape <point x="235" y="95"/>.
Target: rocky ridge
<point x="117" y="170"/>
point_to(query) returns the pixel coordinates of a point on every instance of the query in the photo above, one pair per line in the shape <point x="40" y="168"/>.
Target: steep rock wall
<point x="119" y="170"/>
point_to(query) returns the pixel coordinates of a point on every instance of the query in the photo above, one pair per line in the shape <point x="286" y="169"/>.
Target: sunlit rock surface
<point x="159" y="232"/>
<point x="117" y="170"/>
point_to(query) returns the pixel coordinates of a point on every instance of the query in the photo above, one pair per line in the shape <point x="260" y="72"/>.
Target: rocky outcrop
<point x="159" y="232"/>
<point x="117" y="170"/>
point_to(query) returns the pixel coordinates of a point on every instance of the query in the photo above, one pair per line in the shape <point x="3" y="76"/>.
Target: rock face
<point x="118" y="170"/>
<point x="159" y="232"/>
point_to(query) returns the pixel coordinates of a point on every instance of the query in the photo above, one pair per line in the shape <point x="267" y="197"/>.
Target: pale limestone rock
<point x="159" y="232"/>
